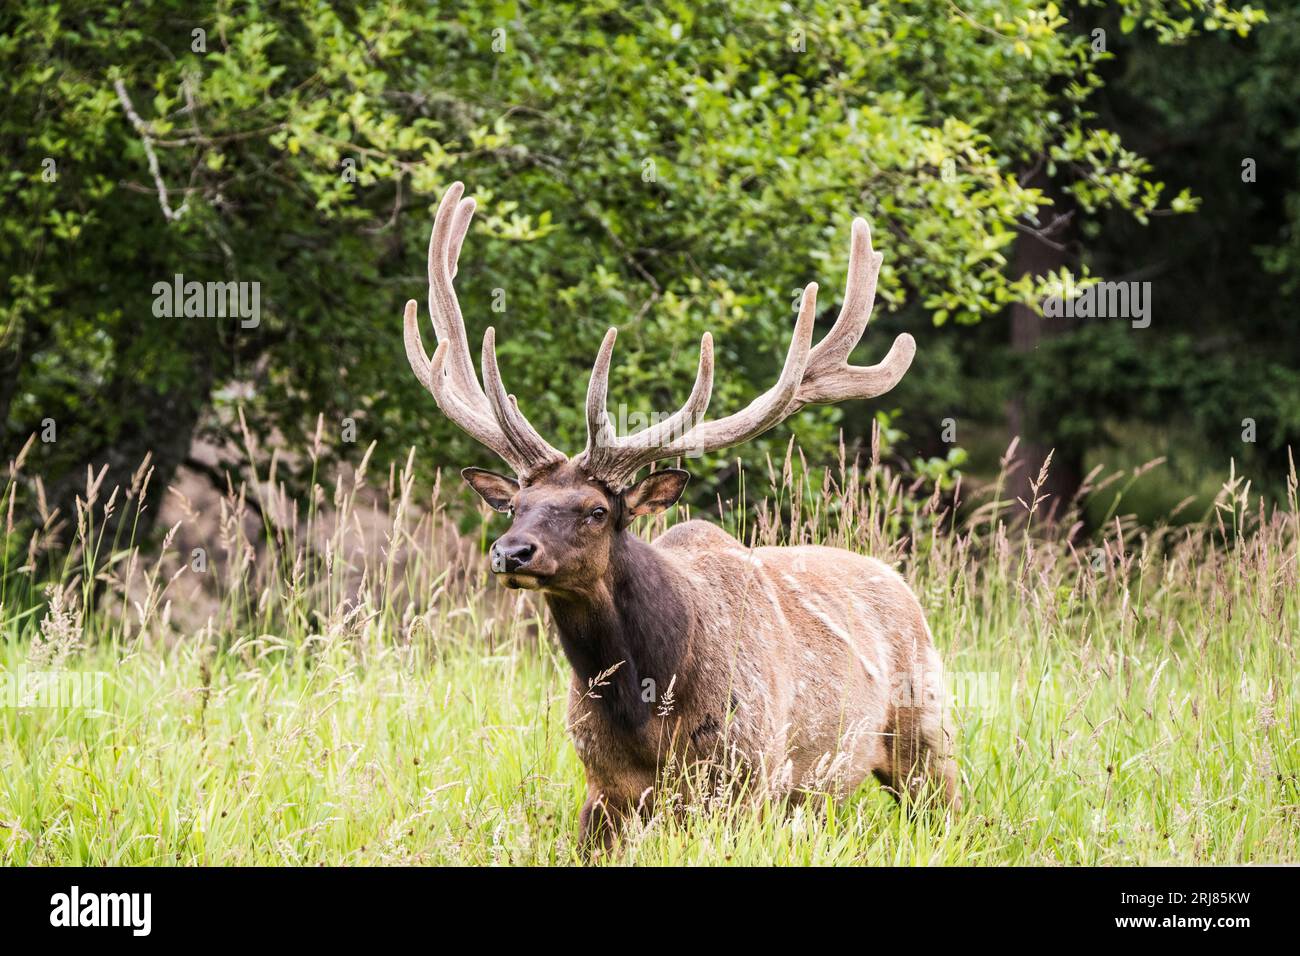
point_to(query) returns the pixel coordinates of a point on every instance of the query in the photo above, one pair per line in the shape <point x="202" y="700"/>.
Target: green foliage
<point x="667" y="168"/>
<point x="1220" y="356"/>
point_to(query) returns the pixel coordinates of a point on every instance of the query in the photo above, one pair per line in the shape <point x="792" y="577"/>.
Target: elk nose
<point x="511" y="557"/>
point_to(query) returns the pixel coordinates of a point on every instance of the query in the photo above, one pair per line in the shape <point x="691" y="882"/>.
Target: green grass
<point x="381" y="701"/>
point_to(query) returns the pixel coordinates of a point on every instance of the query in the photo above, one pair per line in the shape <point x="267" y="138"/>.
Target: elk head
<point x="569" y="515"/>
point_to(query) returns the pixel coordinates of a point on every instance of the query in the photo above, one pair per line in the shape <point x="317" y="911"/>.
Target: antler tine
<point x="415" y="353"/>
<point x="770" y="408"/>
<point x="433" y="376"/>
<point x="616" y="459"/>
<point x="602" y="442"/>
<point x="692" y="413"/>
<point x="444" y="306"/>
<point x="829" y="377"/>
<point x="521" y="435"/>
<point x="495" y="422"/>
<point x="859" y="296"/>
<point x="459" y="229"/>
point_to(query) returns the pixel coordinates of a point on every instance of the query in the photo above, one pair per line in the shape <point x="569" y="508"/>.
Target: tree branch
<point x="139" y="125"/>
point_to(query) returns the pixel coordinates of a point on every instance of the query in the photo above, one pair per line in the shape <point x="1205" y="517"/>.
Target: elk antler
<point x="492" y="418"/>
<point x="810" y="376"/>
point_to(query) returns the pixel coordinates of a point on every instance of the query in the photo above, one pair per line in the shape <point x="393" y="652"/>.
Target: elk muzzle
<point x="512" y="556"/>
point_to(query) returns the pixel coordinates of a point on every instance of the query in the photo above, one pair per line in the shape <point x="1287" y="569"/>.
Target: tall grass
<point x="343" y="683"/>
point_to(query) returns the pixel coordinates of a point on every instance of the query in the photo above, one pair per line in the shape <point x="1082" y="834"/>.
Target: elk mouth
<point x="523" y="580"/>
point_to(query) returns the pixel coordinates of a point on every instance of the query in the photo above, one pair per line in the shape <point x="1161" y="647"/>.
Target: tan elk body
<point x="810" y="667"/>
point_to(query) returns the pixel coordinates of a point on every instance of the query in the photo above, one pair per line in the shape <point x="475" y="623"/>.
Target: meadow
<point x="339" y="681"/>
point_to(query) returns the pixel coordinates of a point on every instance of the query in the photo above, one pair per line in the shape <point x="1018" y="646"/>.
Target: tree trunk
<point x="1039" y="255"/>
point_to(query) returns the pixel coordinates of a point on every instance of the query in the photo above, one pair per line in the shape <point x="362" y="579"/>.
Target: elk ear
<point x="656" y="492"/>
<point x="497" y="490"/>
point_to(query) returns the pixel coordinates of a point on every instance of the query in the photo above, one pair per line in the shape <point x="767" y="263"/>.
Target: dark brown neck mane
<point x="641" y="620"/>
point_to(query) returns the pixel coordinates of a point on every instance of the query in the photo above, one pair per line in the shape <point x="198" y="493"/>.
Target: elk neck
<point x="638" y="615"/>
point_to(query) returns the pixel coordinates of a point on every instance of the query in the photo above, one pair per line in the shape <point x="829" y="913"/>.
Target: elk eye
<point x="598" y="513"/>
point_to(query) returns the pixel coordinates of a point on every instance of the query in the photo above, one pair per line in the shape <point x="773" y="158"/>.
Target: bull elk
<point x="811" y="666"/>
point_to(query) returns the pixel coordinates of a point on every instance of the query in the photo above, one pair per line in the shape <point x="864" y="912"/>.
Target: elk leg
<point x="919" y="770"/>
<point x="597" y="826"/>
<point x="601" y="821"/>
